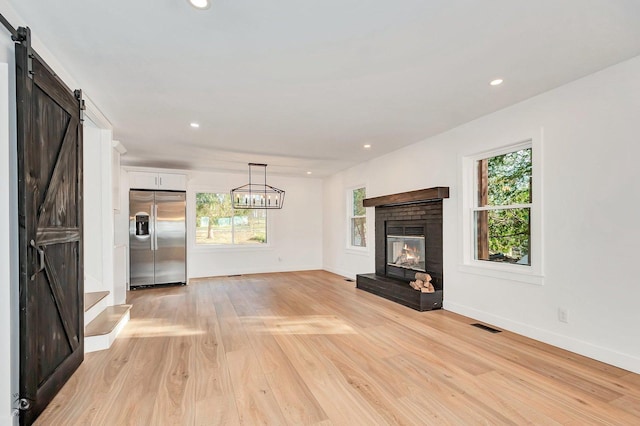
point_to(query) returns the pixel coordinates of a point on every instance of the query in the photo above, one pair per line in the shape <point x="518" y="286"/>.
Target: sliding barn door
<point x="50" y="217"/>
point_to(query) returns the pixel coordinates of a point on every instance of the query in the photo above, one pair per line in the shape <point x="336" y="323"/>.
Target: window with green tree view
<point x="357" y="218"/>
<point x="503" y="209"/>
<point x="218" y="223"/>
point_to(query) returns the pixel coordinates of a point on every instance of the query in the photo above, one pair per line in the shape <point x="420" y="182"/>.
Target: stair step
<point x="92" y="298"/>
<point x="106" y="321"/>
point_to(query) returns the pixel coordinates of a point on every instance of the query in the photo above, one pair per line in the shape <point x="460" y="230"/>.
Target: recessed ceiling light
<point x="200" y="4"/>
<point x="496" y="82"/>
<point x="367" y="146"/>
<point x="194" y="125"/>
<point x="308" y="173"/>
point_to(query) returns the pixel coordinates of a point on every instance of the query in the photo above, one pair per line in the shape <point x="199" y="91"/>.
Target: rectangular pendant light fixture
<point x="257" y="195"/>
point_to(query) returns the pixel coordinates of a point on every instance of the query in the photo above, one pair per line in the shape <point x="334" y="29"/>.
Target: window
<point x="218" y="223"/>
<point x="357" y="218"/>
<point x="501" y="205"/>
<point x="502" y="209"/>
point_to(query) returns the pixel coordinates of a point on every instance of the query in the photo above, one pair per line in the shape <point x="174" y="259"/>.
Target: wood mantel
<point x="418" y="196"/>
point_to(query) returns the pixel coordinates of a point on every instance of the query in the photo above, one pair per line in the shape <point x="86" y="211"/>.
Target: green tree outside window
<point x="358" y="218"/>
<point x="218" y="223"/>
<point x="503" y="213"/>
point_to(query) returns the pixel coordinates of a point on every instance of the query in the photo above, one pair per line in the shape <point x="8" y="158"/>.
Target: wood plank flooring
<point x="308" y="348"/>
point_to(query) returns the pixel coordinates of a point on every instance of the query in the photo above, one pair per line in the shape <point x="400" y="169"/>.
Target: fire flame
<point x="410" y="252"/>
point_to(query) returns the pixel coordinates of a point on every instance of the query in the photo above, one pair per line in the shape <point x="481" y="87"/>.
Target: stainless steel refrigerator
<point x="157" y="237"/>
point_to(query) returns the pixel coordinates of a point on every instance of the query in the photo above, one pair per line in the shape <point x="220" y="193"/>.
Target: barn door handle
<point x="40" y="257"/>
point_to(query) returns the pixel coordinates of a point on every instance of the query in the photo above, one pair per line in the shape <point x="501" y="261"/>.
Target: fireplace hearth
<point x="408" y="241"/>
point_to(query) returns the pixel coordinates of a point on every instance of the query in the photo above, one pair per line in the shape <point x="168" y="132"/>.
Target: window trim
<point x="531" y="274"/>
<point x="191" y="227"/>
<point x="349" y="204"/>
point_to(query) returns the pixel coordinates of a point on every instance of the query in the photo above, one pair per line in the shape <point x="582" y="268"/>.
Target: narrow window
<point x="218" y="223"/>
<point x="357" y="218"/>
<point x="502" y="212"/>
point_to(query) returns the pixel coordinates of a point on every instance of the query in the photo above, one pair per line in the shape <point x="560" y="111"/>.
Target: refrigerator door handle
<point x="152" y="219"/>
<point x="155" y="226"/>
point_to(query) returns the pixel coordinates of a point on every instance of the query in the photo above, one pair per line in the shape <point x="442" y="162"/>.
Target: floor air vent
<point x="486" y="328"/>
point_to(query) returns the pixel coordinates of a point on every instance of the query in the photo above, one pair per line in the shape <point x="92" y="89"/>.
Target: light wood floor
<point x="308" y="348"/>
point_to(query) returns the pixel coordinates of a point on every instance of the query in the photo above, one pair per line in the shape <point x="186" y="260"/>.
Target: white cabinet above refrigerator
<point x="163" y="181"/>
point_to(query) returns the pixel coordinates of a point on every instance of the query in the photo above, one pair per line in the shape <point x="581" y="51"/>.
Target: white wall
<point x="121" y="233"/>
<point x="337" y="257"/>
<point x="294" y="232"/>
<point x="93" y="212"/>
<point x="590" y="231"/>
<point x="121" y="230"/>
<point x="9" y="302"/>
<point x="98" y="215"/>
<point x="8" y="241"/>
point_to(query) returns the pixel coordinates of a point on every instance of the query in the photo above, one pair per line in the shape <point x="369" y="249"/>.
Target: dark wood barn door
<point x="50" y="217"/>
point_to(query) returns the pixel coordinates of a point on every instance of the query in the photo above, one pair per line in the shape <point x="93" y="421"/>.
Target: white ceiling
<point x="303" y="84"/>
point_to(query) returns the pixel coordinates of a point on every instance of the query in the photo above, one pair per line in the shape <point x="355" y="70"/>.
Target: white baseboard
<point x="247" y="271"/>
<point x="609" y="356"/>
<point x="340" y="272"/>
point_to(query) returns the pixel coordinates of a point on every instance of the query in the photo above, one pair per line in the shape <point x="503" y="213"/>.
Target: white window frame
<point x="191" y="227"/>
<point x="531" y="274"/>
<point x="349" y="204"/>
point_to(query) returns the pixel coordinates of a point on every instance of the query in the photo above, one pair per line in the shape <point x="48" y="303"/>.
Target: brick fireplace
<point x="408" y="239"/>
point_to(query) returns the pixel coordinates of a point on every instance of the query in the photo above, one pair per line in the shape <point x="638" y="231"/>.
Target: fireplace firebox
<point x="406" y="252"/>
